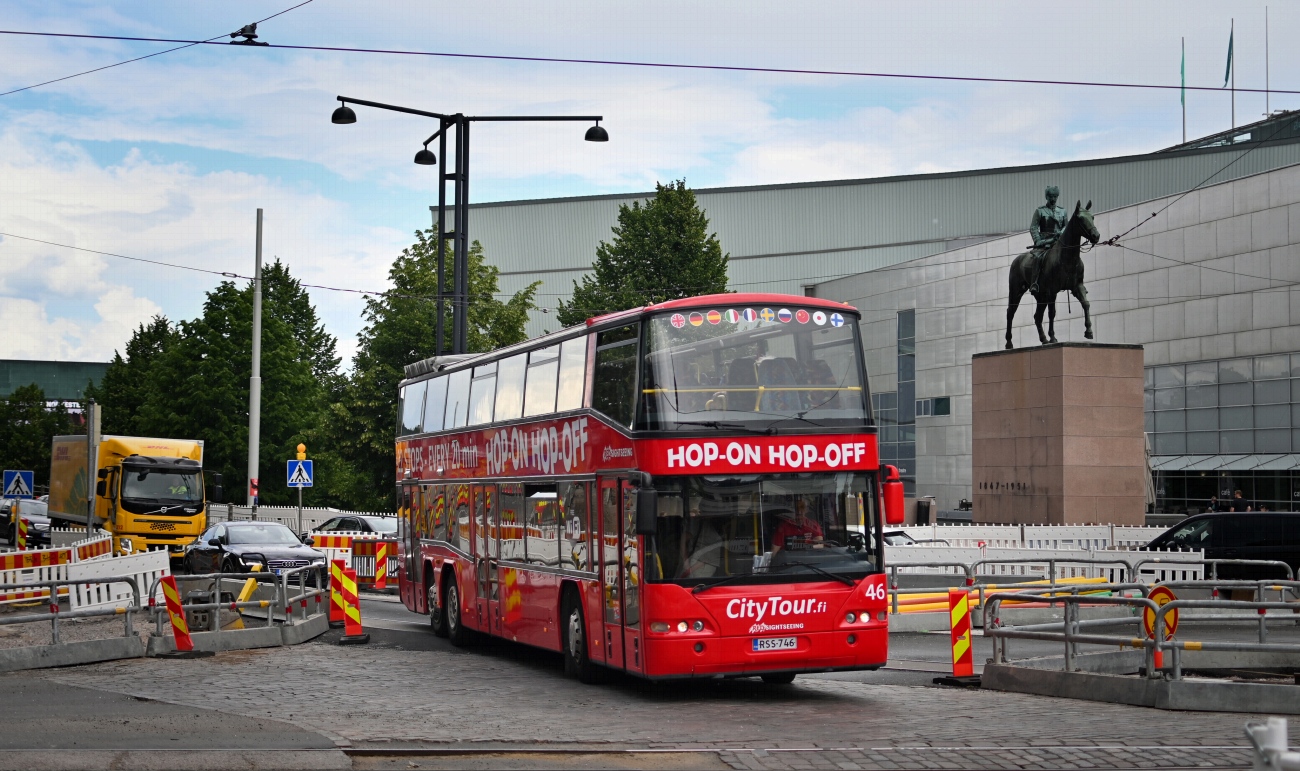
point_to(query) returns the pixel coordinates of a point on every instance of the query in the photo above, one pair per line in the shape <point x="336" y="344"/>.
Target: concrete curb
<point x="1187" y="695"/>
<point x="70" y="654"/>
<point x="173" y="760"/>
<point x="246" y="639"/>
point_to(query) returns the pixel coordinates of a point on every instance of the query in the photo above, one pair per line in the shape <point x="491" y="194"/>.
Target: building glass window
<point x="1235" y="371"/>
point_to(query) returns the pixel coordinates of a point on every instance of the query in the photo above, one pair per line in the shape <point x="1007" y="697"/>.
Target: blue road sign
<point x="300" y="473"/>
<point x="19" y="484"/>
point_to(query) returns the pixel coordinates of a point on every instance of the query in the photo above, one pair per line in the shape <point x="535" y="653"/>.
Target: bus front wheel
<point x="437" y="612"/>
<point x="456" y="631"/>
<point x="574" y="633"/>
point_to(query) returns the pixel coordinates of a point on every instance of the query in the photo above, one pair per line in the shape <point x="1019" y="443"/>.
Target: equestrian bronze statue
<point x="1054" y="266"/>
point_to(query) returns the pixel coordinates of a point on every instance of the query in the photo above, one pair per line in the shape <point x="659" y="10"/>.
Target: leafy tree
<point x="201" y="381"/>
<point x="660" y="251"/>
<point x="400" y="329"/>
<point x="128" y="381"/>
<point x="28" y="423"/>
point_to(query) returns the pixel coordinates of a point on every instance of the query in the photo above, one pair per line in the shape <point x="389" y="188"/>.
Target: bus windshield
<point x="753" y="367"/>
<point x="796" y="527"/>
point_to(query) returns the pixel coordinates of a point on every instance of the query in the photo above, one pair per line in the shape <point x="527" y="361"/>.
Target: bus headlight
<point x="698" y="626"/>
<point x="681" y="626"/>
<point x="850" y="617"/>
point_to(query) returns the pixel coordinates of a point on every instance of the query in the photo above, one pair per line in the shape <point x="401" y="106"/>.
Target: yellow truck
<point x="148" y="492"/>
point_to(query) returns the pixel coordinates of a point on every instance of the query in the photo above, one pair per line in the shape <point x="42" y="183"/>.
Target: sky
<point x="168" y="159"/>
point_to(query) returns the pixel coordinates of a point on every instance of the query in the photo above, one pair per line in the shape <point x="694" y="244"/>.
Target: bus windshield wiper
<point x="842" y="579"/>
<point x="722" y="425"/>
<point x="728" y="580"/>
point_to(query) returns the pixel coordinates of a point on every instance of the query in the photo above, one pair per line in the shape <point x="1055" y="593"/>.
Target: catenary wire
<point x="665" y="65"/>
<point x="146" y="56"/>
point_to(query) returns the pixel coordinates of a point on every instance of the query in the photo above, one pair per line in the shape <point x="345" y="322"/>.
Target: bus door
<point x="485" y="558"/>
<point x="417" y="527"/>
<point x="620" y="575"/>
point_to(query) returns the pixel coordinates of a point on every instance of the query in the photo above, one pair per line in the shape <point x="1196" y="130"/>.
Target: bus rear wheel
<point x="779" y="678"/>
<point x="437" y="612"/>
<point x="456" y="631"/>
<point x="573" y="632"/>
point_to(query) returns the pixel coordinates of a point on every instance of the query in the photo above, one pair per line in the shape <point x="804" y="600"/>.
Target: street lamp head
<point x="343" y="115"/>
<point x="426" y="158"/>
<point x="597" y="134"/>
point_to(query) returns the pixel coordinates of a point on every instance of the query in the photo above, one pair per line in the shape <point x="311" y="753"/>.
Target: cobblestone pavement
<point x="502" y="696"/>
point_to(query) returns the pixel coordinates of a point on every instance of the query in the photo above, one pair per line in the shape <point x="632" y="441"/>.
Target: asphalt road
<point x="411" y="700"/>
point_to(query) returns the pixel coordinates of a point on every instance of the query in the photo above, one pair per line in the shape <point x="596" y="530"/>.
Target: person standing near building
<point x="1214" y="504"/>
<point x="1239" y="504"/>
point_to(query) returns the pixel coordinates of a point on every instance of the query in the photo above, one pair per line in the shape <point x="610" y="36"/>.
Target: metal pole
<point x="255" y="382"/>
<point x="1267" y="102"/>
<point x="92" y="463"/>
<point x="460" y="313"/>
<point x="1233" y="63"/>
<point x="442" y="238"/>
<point x="1184" y="101"/>
<point x="300" y="530"/>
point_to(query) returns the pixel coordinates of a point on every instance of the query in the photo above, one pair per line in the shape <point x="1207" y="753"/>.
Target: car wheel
<point x="779" y="678"/>
<point x="574" y="640"/>
<point x="228" y="566"/>
<point x="437" y="614"/>
<point x="456" y="631"/>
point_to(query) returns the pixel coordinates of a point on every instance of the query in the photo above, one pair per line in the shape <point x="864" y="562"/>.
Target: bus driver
<point x="801" y="526"/>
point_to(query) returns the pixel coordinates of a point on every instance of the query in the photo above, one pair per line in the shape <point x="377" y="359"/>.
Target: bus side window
<point x="440" y="513"/>
<point x="457" y="399"/>
<point x="435" y="403"/>
<point x="615" y="380"/>
<point x="510" y="387"/>
<point x="413" y="407"/>
<point x="482" y="393"/>
<point x="513" y="522"/>
<point x="574" y="549"/>
<point x="573" y="374"/>
<point x="539" y="395"/>
<point x="459" y="524"/>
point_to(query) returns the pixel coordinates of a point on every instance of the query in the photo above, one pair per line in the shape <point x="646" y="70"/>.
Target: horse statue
<point x="1062" y="271"/>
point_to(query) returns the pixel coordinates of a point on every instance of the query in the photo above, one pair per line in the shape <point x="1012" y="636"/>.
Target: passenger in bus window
<point x="800" y="526"/>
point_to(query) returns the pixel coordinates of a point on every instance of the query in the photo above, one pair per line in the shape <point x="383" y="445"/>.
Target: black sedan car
<point x="235" y="547"/>
<point x="360" y="523"/>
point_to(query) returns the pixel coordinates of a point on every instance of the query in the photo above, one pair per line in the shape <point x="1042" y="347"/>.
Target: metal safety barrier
<point x="283" y="600"/>
<point x="1073" y="631"/>
<point x="1269" y="741"/>
<point x="56" y="614"/>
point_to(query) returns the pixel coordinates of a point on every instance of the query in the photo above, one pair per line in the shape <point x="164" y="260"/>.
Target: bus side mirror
<point x="895" y="512"/>
<point x="101" y="487"/>
<point x="103" y="474"/>
<point x="647" y="510"/>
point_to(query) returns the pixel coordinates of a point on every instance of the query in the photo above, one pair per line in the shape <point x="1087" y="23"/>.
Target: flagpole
<point x="1183" y="91"/>
<point x="1231" y="32"/>
<point x="1266" y="94"/>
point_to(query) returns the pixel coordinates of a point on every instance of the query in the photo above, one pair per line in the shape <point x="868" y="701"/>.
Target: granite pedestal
<point x="1057" y="435"/>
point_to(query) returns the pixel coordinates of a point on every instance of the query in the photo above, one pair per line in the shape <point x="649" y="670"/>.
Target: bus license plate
<point x="775" y="643"/>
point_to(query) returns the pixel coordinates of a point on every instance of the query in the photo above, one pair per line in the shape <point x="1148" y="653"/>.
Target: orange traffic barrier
<point x="381" y="565"/>
<point x="353" y="634"/>
<point x="336" y="593"/>
<point x="35" y="559"/>
<point x="95" y="549"/>
<point x="180" y="629"/>
<point x="22" y="535"/>
<point x="963" y="657"/>
<point x="331" y="541"/>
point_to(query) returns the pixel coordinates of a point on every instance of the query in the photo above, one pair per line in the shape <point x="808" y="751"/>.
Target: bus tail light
<point x="893" y="489"/>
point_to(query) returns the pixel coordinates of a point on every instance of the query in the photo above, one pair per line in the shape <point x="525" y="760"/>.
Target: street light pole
<point x="459" y="233"/>
<point x="255" y="382"/>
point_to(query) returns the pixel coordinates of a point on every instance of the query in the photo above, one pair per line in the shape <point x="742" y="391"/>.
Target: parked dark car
<point x="235" y="547"/>
<point x="360" y="523"/>
<point x="38" y="524"/>
<point x="1273" y="535"/>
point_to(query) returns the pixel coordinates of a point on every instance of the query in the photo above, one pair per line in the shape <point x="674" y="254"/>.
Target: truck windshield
<point x="752" y="366"/>
<point x="161" y="485"/>
<point x="797" y="527"/>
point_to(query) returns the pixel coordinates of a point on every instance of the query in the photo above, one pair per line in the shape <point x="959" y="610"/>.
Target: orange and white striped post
<point x="353" y="634"/>
<point x="180" y="629"/>
<point x="22" y="535"/>
<point x="381" y="565"/>
<point x="963" y="657"/>
<point x="336" y="593"/>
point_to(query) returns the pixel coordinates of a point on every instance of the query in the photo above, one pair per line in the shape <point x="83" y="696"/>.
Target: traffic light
<point x="302" y="452"/>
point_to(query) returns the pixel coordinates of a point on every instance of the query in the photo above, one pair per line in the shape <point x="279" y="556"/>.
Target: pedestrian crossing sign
<point x="300" y="473"/>
<point x="19" y="484"/>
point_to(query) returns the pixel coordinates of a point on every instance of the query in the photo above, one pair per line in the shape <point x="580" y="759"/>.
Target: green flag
<point x="1227" y="73"/>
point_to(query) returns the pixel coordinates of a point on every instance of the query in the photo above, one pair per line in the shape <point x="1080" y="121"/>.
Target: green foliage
<point x="660" y="251"/>
<point x="27" y="426"/>
<point x="401" y="329"/>
<point x="128" y="381"/>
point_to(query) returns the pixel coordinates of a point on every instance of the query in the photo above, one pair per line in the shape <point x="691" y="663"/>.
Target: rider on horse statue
<point x="1045" y="227"/>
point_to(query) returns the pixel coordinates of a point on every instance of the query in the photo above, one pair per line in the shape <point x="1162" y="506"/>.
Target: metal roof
<point x="60" y="380"/>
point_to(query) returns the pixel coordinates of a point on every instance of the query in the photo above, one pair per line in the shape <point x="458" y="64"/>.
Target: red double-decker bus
<point x="690" y="489"/>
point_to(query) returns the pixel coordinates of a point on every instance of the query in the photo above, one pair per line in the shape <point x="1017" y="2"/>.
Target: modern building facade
<point x="1209" y="286"/>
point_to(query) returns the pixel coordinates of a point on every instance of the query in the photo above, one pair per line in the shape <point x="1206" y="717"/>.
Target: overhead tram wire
<point x="649" y="64"/>
<point x="190" y="44"/>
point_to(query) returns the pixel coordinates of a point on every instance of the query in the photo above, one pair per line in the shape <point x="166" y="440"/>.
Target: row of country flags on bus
<point x="734" y="316"/>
